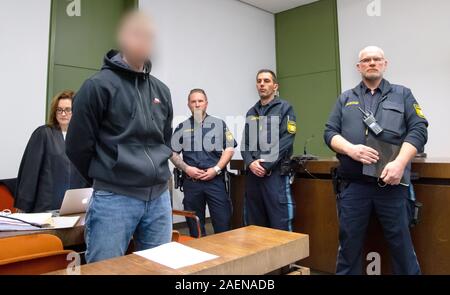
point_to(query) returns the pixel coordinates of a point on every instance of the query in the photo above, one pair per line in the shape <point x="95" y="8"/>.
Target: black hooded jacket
<point x="121" y="129"/>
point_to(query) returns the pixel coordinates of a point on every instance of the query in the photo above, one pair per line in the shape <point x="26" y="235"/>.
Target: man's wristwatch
<point x="218" y="170"/>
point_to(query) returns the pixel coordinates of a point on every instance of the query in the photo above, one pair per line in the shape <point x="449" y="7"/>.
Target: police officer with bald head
<point x="403" y="123"/>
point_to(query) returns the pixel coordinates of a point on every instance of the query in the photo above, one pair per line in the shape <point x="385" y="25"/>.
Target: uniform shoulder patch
<point x="229" y="136"/>
<point x="291" y="127"/>
<point x="419" y="111"/>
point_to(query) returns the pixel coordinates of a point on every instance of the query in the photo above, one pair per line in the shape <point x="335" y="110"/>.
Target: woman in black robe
<point x="46" y="172"/>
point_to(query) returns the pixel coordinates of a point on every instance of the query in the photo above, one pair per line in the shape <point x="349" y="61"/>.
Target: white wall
<point x="216" y="45"/>
<point x="24" y="39"/>
<point x="415" y="37"/>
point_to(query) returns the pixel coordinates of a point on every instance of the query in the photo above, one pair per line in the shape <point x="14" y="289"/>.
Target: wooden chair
<point x="176" y="236"/>
<point x="6" y="199"/>
<point x="32" y="255"/>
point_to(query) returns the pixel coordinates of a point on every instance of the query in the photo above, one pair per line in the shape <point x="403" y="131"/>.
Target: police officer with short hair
<point x="207" y="146"/>
<point x="403" y="124"/>
<point x="267" y="144"/>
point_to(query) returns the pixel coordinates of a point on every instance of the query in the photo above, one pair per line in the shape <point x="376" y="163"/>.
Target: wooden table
<point x="70" y="237"/>
<point x="316" y="215"/>
<point x="246" y="251"/>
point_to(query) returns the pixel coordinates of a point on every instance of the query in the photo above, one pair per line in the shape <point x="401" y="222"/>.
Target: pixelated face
<point x="136" y="38"/>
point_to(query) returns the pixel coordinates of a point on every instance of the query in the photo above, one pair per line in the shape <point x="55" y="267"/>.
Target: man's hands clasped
<point x="200" y="174"/>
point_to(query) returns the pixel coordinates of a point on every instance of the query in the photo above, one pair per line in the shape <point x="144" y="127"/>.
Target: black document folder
<point x="387" y="153"/>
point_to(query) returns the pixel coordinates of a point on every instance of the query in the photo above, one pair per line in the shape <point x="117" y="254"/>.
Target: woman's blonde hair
<point x="52" y="121"/>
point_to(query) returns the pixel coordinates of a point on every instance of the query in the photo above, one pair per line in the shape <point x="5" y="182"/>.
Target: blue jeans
<point x="112" y="220"/>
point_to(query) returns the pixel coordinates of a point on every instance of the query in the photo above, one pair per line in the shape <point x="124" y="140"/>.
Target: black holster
<point x="227" y="179"/>
<point x="414" y="208"/>
<point x="289" y="166"/>
<point x="178" y="179"/>
<point x="339" y="183"/>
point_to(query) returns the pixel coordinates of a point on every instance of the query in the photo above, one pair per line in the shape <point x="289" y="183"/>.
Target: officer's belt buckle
<point x="189" y="178"/>
<point x="381" y="183"/>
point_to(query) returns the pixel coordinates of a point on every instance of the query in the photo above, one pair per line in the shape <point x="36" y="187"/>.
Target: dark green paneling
<point x="82" y="41"/>
<point x="70" y="77"/>
<point x="79" y="43"/>
<point x="306" y="39"/>
<point x="308" y="67"/>
<point x="311" y="96"/>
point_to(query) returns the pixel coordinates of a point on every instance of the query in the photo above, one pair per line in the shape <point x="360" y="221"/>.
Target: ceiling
<point x="276" y="6"/>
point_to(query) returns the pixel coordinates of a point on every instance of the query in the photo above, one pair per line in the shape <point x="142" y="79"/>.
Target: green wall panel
<point x="307" y="39"/>
<point x="312" y="97"/>
<point x="69" y="77"/>
<point x="79" y="43"/>
<point x="308" y="68"/>
<point x="83" y="40"/>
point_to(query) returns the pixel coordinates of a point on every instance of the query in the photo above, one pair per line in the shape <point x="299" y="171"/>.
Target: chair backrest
<point x="36" y="264"/>
<point x="28" y="245"/>
<point x="6" y="199"/>
<point x="32" y="254"/>
<point x="189" y="214"/>
<point x="175" y="236"/>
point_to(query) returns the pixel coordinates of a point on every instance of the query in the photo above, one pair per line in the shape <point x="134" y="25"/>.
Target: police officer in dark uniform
<point x="207" y="146"/>
<point x="403" y="124"/>
<point x="267" y="144"/>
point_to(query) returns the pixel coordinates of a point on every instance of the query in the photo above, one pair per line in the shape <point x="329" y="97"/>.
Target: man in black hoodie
<point x="119" y="139"/>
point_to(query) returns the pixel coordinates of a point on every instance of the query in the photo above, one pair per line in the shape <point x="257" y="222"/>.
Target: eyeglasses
<point x="370" y="59"/>
<point x="67" y="111"/>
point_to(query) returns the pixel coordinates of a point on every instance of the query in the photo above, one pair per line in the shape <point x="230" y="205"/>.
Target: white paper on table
<point x="65" y="221"/>
<point x="176" y="255"/>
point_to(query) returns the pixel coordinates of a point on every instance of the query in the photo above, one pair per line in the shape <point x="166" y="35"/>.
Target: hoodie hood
<point x="114" y="61"/>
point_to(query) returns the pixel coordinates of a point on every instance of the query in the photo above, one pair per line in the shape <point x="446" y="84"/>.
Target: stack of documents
<point x="42" y="221"/>
<point x="21" y="221"/>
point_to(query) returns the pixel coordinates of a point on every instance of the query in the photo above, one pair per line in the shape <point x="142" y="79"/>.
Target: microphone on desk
<point x="300" y="161"/>
<point x="305" y="155"/>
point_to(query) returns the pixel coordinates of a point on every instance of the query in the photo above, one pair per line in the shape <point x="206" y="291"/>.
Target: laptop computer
<point x="75" y="201"/>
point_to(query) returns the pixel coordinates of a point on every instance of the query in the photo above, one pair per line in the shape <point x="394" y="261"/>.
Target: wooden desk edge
<point x="301" y="243"/>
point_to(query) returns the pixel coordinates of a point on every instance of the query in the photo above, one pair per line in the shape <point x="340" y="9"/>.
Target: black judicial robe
<point x="45" y="172"/>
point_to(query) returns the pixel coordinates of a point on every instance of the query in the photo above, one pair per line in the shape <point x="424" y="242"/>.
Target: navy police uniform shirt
<point x="396" y="111"/>
<point x="370" y="100"/>
<point x="263" y="140"/>
<point x="202" y="143"/>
